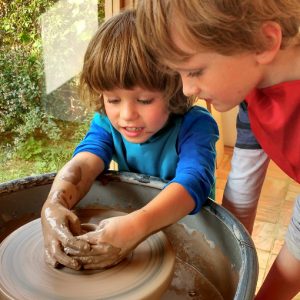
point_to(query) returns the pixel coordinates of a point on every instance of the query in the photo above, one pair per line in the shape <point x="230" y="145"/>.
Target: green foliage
<point x="40" y="155"/>
<point x="21" y="72"/>
<point x="45" y="155"/>
<point x="35" y="157"/>
<point x="29" y="135"/>
<point x="20" y="20"/>
<point x="20" y="112"/>
<point x="30" y="148"/>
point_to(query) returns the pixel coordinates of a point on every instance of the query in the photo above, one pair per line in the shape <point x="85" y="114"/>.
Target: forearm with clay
<point x="124" y="233"/>
<point x="60" y="225"/>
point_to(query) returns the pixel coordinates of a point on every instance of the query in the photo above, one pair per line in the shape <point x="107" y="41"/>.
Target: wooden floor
<point x="273" y="215"/>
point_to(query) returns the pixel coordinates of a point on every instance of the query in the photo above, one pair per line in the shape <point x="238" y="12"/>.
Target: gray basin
<point x="212" y="247"/>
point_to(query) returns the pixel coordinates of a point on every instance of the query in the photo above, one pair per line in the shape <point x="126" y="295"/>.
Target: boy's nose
<point x="190" y="87"/>
<point x="128" y="112"/>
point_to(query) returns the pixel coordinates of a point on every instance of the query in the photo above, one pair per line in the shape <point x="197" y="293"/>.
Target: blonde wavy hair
<point x="116" y="58"/>
<point x="227" y="27"/>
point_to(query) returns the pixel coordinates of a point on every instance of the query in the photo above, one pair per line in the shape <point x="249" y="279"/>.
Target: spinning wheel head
<point x="24" y="275"/>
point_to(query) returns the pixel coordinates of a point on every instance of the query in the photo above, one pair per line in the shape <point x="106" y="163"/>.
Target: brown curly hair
<point x="116" y="58"/>
<point x="227" y="27"/>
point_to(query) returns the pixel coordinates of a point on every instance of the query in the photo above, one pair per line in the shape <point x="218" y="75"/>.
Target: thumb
<point x="92" y="237"/>
<point x="74" y="224"/>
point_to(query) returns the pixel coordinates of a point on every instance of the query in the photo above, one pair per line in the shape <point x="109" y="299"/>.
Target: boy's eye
<point x="113" y="101"/>
<point x="195" y="74"/>
<point x="145" y="101"/>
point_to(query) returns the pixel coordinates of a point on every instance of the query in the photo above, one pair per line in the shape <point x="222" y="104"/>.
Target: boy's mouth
<point x="132" y="131"/>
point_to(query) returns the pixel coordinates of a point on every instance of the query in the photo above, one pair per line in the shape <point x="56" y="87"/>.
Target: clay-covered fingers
<point x="59" y="223"/>
<point x="55" y="256"/>
<point x="110" y="242"/>
<point x="95" y="250"/>
<point x="98" y="261"/>
<point x="92" y="237"/>
<point x="50" y="260"/>
<point x="98" y="257"/>
<point x="102" y="265"/>
<point x="69" y="241"/>
<point x="66" y="232"/>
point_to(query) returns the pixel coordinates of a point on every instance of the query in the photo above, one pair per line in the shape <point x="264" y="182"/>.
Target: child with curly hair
<point x="146" y="124"/>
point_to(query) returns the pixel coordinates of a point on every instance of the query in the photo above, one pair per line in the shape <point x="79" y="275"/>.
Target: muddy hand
<point x="59" y="224"/>
<point x="98" y="257"/>
<point x="113" y="240"/>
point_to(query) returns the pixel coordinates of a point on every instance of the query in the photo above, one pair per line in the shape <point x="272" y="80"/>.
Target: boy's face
<point x="223" y="81"/>
<point x="137" y="114"/>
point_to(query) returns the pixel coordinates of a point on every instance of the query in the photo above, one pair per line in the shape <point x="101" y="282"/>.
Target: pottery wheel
<point x="24" y="275"/>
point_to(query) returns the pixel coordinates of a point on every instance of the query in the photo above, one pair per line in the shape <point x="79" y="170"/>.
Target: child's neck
<point x="285" y="67"/>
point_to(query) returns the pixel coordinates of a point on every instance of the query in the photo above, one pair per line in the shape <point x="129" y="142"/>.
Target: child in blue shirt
<point x="144" y="123"/>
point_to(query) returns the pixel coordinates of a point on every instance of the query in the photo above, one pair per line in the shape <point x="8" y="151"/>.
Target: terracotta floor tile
<point x="268" y="209"/>
<point x="219" y="195"/>
<point x="294" y="187"/>
<point x="267" y="215"/>
<point x="275" y="171"/>
<point x="272" y="200"/>
<point x="279" y="239"/>
<point x="277" y="246"/>
<point x="291" y="196"/>
<point x="281" y="231"/>
<point x="220" y="183"/>
<point x="263" y="258"/>
<point x="286" y="213"/>
<point x="271" y="259"/>
<point x="226" y="161"/>
<point x="264" y="235"/>
<point x="274" y="187"/>
<point x="260" y="279"/>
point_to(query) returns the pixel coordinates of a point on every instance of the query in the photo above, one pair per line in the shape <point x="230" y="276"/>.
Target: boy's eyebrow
<point x="187" y="70"/>
<point x="180" y="69"/>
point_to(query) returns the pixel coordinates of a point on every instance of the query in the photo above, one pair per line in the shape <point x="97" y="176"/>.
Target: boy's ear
<point x="272" y="35"/>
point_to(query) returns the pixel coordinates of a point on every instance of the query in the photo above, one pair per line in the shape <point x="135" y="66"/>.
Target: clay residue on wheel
<point x="201" y="271"/>
<point x="188" y="283"/>
<point x="207" y="265"/>
<point x="24" y="274"/>
<point x="11" y="223"/>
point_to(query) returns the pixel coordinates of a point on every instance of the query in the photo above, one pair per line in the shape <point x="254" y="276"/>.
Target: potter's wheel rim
<point x="157" y="270"/>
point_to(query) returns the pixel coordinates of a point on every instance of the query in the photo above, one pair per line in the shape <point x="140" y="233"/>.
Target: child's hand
<point x="59" y="224"/>
<point x="112" y="241"/>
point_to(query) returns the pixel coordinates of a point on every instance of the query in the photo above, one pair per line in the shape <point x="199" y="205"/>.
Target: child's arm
<point x="124" y="233"/>
<point x="73" y="181"/>
<point x="184" y="194"/>
<point x="59" y="224"/>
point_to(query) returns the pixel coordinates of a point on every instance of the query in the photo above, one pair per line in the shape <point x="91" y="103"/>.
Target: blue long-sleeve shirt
<point x="183" y="151"/>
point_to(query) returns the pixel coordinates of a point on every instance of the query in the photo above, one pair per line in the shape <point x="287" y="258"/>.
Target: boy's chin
<point x="221" y="107"/>
<point x="135" y="140"/>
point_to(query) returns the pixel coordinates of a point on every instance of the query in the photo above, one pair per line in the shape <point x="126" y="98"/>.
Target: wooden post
<point x="113" y="7"/>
